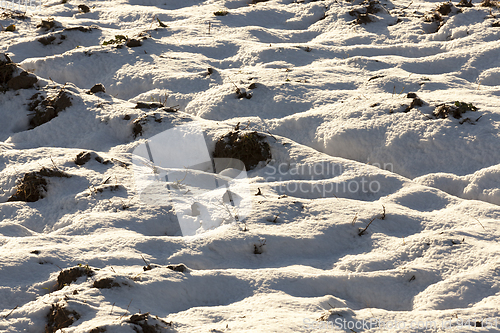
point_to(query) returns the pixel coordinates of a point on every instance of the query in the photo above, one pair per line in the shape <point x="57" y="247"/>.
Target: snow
<point x="372" y="210"/>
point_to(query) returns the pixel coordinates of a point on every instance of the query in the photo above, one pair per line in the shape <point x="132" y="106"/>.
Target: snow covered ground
<point x="378" y="210"/>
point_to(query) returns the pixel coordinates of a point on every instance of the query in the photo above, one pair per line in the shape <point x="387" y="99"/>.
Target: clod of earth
<point x="141" y="320"/>
<point x="47" y="40"/>
<point x="47" y="24"/>
<point x="23" y="81"/>
<point x="363" y="13"/>
<point x="496" y="24"/>
<point x="106" y="283"/>
<point x="97" y="88"/>
<point x="84" y="8"/>
<point x="444" y="110"/>
<point x="82" y="29"/>
<point x="59" y="317"/>
<point x="82" y="158"/>
<point x="143" y="105"/>
<point x="33" y="185"/>
<point x="133" y="43"/>
<point x="52" y="39"/>
<point x="46" y="109"/>
<point x="11" y="28"/>
<point x="67" y="276"/>
<point x="444" y="8"/>
<point x="248" y="147"/>
<point x="8" y="77"/>
<point x="178" y="268"/>
<point x="416" y="102"/>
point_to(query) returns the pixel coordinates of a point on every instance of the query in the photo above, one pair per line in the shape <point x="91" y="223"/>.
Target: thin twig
<point x="8" y="314"/>
<point x="363" y="231"/>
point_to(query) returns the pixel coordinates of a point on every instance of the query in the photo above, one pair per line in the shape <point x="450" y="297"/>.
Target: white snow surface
<point x="328" y="92"/>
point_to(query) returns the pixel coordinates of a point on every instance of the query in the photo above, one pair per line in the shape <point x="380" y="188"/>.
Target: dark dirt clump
<point x="133" y="43"/>
<point x="141" y="320"/>
<point x="106" y="283"/>
<point x="46" y="24"/>
<point x="46" y="109"/>
<point x="181" y="268"/>
<point x="83" y="158"/>
<point x="84" y="8"/>
<point x="144" y="105"/>
<point x="82" y="29"/>
<point x="444" y="8"/>
<point x="8" y="77"/>
<point x="59" y="317"/>
<point x="363" y="13"/>
<point x="99" y="87"/>
<point x="23" y="81"/>
<point x="33" y="185"/>
<point x="416" y="102"/>
<point x="67" y="276"/>
<point x="456" y="110"/>
<point x="248" y="147"/>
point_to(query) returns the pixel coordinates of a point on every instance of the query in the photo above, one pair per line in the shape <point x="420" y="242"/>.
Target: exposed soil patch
<point x="47" y="24"/>
<point x="59" y="317"/>
<point x="99" y="87"/>
<point x="178" y="268"/>
<point x="156" y="116"/>
<point x="436" y="17"/>
<point x="46" y="109"/>
<point x="34" y="185"/>
<point x="456" y="110"/>
<point x="67" y="276"/>
<point x="416" y="102"/>
<point x="83" y="158"/>
<point x="148" y="324"/>
<point x="133" y="42"/>
<point x="363" y="12"/>
<point x="248" y="147"/>
<point x="106" y="283"/>
<point x="82" y="28"/>
<point x="144" y="105"/>
<point x="83" y="8"/>
<point x="13" y="77"/>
